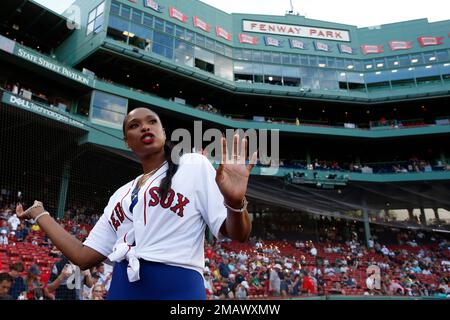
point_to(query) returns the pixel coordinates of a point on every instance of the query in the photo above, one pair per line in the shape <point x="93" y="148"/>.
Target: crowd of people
<point x="61" y="283"/>
<point x="282" y="269"/>
<point x="54" y="102"/>
<point x="208" y="108"/>
<point x="336" y="263"/>
<point x="412" y="165"/>
<point x="37" y="270"/>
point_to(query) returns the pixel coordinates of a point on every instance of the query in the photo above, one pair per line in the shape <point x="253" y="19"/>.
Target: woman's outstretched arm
<point x="71" y="247"/>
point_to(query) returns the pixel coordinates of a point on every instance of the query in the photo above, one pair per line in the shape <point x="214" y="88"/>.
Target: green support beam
<point x="423" y="218"/>
<point x="366" y="223"/>
<point x="436" y="214"/>
<point x="65" y="178"/>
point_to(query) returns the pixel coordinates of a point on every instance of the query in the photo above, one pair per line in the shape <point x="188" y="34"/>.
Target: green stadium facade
<point x="372" y="98"/>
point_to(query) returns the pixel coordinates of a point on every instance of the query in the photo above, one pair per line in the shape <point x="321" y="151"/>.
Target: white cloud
<point x="354" y="12"/>
<point x="57" y="6"/>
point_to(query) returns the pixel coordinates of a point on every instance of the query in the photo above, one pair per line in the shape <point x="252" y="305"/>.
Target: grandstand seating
<point x="33" y="251"/>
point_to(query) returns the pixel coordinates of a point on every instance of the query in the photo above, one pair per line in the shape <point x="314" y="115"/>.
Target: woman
<point x="154" y="226"/>
<point x="98" y="292"/>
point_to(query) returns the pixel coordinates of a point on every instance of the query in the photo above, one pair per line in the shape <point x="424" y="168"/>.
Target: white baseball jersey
<point x="169" y="231"/>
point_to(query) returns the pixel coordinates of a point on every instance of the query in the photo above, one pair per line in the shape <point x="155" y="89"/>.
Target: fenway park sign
<point x="296" y="30"/>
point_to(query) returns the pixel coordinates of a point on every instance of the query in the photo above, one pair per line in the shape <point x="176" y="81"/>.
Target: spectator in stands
<point x="299" y="244"/>
<point x="348" y="282"/>
<point x="18" y="284"/>
<point x="231" y="264"/>
<point x="35" y="227"/>
<point x="209" y="286"/>
<point x="87" y="291"/>
<point x="256" y="284"/>
<point x="440" y="293"/>
<point x="4" y="237"/>
<point x="242" y="257"/>
<point x="224" y="268"/>
<point x="313" y="251"/>
<point x="104" y="277"/>
<point x="22" y="232"/>
<point x="337" y="289"/>
<point x="98" y="292"/>
<point x="14" y="222"/>
<point x="416" y="268"/>
<point x="5" y="285"/>
<point x="284" y="282"/>
<point x="308" y="286"/>
<point x="35" y="241"/>
<point x="225" y="291"/>
<point x="274" y="280"/>
<point x="370" y="243"/>
<point x="295" y="285"/>
<point x="329" y="271"/>
<point x="63" y="272"/>
<point x="396" y="289"/>
<point x="46" y="242"/>
<point x="241" y="292"/>
<point x="34" y="287"/>
<point x="444" y="286"/>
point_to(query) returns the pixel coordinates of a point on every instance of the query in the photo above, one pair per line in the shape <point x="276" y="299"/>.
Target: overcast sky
<point x="361" y="13"/>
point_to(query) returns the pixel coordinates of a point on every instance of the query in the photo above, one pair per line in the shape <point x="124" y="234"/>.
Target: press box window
<point x="108" y="110"/>
<point x="95" y="19"/>
<point x="203" y="65"/>
<point x="204" y="60"/>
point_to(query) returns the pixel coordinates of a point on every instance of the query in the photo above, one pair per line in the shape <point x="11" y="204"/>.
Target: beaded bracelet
<point x="27" y="212"/>
<point x="40" y="215"/>
<point x="244" y="206"/>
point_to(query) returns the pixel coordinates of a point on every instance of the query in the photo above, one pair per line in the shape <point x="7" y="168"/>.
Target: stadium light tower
<point x="291" y="11"/>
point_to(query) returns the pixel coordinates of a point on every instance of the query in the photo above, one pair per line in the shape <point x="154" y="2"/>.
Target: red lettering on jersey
<point x="115" y="223"/>
<point x="167" y="201"/>
<point x="179" y="207"/>
<point x="119" y="212"/>
<point x="154" y="193"/>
